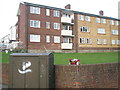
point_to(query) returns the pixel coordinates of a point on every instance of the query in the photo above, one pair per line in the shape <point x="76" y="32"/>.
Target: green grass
<point x="86" y="58"/>
<point x="4" y="58"/>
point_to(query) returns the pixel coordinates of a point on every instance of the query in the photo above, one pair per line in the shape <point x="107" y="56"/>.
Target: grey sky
<point x="9" y="9"/>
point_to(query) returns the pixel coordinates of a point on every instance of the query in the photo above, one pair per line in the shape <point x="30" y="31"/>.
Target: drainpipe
<point x="110" y="39"/>
<point x="76" y="33"/>
<point x="26" y="33"/>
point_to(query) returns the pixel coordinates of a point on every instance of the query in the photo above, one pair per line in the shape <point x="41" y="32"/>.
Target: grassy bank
<point x="86" y="58"/>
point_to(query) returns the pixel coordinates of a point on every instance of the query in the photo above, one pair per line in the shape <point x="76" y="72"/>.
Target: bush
<point x="19" y="51"/>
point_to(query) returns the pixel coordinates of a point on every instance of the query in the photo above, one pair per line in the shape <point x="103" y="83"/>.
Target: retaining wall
<point x="82" y="76"/>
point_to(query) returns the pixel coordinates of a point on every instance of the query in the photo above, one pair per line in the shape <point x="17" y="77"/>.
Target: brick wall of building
<point x="24" y="30"/>
<point x="22" y="25"/>
<point x="94" y="35"/>
<point x="42" y="31"/>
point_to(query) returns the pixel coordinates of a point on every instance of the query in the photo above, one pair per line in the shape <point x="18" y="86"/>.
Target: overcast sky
<point x="8" y="9"/>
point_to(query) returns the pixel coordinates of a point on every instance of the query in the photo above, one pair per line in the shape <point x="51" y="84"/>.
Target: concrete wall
<point x="82" y="76"/>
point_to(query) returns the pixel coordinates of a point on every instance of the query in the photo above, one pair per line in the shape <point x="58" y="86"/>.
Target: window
<point x="67" y="27"/>
<point x="98" y="20"/>
<point x="84" y="29"/>
<point x="35" y="23"/>
<point x="89" y="41"/>
<point x="57" y="26"/>
<point x="101" y="30"/>
<point x="16" y="35"/>
<point x="35" y="10"/>
<point x="113" y="42"/>
<point x="56" y="39"/>
<point x="115" y="32"/>
<point x="47" y="12"/>
<point x="88" y="18"/>
<point x="48" y="25"/>
<point x="111" y="22"/>
<point x="56" y="13"/>
<point x="104" y="41"/>
<point x="67" y="40"/>
<point x="98" y="41"/>
<point x="118" y="42"/>
<point x="66" y="15"/>
<point x="104" y="21"/>
<point x="81" y="17"/>
<point x="116" y="23"/>
<point x="48" y="39"/>
<point x="34" y="38"/>
<point x="82" y="40"/>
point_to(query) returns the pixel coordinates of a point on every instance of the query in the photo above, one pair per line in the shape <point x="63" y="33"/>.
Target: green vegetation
<point x="86" y="58"/>
<point x="4" y="58"/>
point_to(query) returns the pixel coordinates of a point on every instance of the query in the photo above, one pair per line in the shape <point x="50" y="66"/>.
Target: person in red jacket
<point x="74" y="61"/>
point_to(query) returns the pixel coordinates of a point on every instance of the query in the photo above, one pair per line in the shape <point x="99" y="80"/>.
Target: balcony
<point x="66" y="33"/>
<point x="66" y="45"/>
<point x="66" y="20"/>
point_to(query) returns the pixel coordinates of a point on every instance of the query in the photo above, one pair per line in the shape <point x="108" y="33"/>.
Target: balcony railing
<point x="66" y="45"/>
<point x="66" y="20"/>
<point x="67" y="33"/>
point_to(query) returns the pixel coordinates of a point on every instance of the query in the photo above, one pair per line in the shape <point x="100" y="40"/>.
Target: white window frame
<point x="47" y="12"/>
<point x="113" y="42"/>
<point x="89" y="41"/>
<point x="35" y="23"/>
<point x="82" y="40"/>
<point x="99" y="41"/>
<point x="56" y="13"/>
<point x="56" y="39"/>
<point x="47" y="39"/>
<point x="118" y="42"/>
<point x="47" y="25"/>
<point x="34" y="38"/>
<point x="104" y="41"/>
<point x="57" y="26"/>
<point x="81" y="17"/>
<point x="101" y="31"/>
<point x="112" y="22"/>
<point x="98" y="20"/>
<point x="34" y="10"/>
<point x="88" y="18"/>
<point x="116" y="23"/>
<point x="103" y="21"/>
<point x="114" y="32"/>
<point x="84" y="29"/>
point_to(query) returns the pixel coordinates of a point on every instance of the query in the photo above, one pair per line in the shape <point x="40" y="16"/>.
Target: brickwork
<point x="94" y="35"/>
<point x="82" y="76"/>
<point x="81" y="50"/>
<point x="22" y="25"/>
<point x="4" y="74"/>
<point x="87" y="76"/>
<point x="24" y="30"/>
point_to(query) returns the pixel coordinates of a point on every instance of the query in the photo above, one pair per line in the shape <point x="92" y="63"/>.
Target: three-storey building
<point x="50" y="29"/>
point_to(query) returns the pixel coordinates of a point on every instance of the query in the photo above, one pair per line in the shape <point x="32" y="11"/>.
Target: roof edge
<point x="77" y="12"/>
